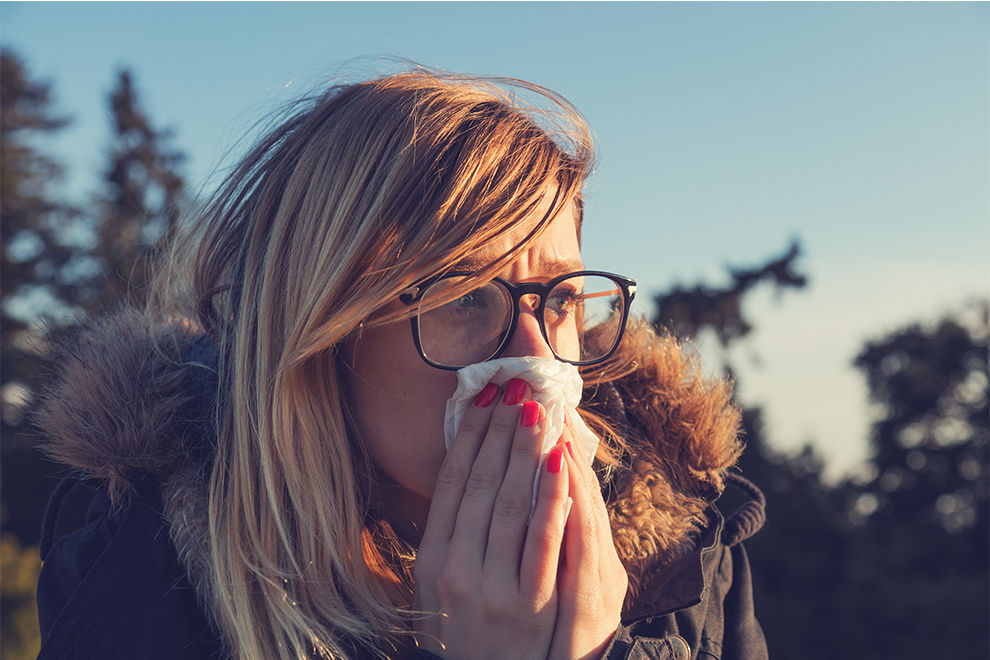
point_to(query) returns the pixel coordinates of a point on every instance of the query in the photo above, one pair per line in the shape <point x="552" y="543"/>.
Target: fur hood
<point x="126" y="405"/>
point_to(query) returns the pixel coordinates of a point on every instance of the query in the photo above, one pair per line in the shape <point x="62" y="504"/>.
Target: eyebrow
<point x="548" y="267"/>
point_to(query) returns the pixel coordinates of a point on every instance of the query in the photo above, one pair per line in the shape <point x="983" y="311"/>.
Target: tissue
<point x="555" y="384"/>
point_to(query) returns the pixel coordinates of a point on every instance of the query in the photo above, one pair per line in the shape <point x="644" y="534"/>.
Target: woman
<point x="271" y="441"/>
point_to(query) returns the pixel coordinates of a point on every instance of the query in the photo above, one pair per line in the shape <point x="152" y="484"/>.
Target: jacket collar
<point x="683" y="582"/>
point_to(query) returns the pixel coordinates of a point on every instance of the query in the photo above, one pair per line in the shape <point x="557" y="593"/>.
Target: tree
<point x="686" y="311"/>
<point x="929" y="390"/>
<point x="58" y="262"/>
<point x="921" y="542"/>
<point x="33" y="252"/>
<point x="32" y="255"/>
<point x="142" y="201"/>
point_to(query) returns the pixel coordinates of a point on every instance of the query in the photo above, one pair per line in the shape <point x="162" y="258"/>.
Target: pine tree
<point x="141" y="204"/>
<point x="32" y="217"/>
<point x="61" y="263"/>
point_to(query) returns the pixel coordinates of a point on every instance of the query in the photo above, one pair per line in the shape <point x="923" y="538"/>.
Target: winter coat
<point x="128" y="409"/>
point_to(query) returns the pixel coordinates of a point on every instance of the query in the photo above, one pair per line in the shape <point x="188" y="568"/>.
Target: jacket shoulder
<point x="701" y="605"/>
<point x="115" y="589"/>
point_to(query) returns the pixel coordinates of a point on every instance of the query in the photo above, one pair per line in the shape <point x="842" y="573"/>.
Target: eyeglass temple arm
<point x="601" y="293"/>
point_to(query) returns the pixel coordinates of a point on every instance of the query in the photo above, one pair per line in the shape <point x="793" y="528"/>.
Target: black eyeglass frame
<point x="516" y="291"/>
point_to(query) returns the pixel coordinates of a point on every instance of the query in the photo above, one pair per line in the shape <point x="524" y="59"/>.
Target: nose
<point x="526" y="339"/>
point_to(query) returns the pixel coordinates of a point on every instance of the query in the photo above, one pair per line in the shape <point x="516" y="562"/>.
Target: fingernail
<point x="514" y="392"/>
<point x="486" y="396"/>
<point x="570" y="450"/>
<point x="530" y="413"/>
<point x="555" y="460"/>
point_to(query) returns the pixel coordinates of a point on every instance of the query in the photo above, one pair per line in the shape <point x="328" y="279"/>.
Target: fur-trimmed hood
<point x="128" y="404"/>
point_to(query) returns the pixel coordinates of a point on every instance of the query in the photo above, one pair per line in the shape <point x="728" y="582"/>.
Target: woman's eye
<point x="468" y="300"/>
<point x="471" y="305"/>
<point x="563" y="304"/>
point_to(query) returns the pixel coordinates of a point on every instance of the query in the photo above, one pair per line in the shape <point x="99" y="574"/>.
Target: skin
<point x="500" y="585"/>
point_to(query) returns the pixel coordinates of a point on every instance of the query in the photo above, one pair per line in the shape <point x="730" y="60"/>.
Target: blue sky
<point x="725" y="130"/>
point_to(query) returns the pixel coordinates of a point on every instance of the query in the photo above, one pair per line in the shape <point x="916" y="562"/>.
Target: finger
<point x="515" y="498"/>
<point x="581" y="542"/>
<point x="597" y="502"/>
<point x="474" y="516"/>
<point x="545" y="532"/>
<point x="455" y="470"/>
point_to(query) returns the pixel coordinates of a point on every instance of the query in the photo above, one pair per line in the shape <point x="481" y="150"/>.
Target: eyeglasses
<point x="582" y="316"/>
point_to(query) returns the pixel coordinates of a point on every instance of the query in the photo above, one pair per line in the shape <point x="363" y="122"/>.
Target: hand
<point x="592" y="582"/>
<point x="485" y="574"/>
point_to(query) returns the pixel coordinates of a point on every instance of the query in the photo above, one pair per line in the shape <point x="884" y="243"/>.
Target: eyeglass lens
<point x="582" y="318"/>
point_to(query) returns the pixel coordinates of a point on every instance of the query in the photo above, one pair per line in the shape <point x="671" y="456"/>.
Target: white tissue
<point x="555" y="384"/>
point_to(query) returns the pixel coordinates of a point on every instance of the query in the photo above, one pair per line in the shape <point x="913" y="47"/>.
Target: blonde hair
<point x="357" y="195"/>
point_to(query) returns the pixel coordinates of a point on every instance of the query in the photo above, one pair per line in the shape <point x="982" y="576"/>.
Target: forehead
<point x="557" y="250"/>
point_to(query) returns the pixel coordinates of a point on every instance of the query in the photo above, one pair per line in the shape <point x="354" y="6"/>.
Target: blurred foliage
<point x="63" y="260"/>
<point x="928" y="386"/>
<point x="688" y="310"/>
<point x="140" y="206"/>
<point x="921" y="542"/>
<point x="34" y="219"/>
<point x="19" y="568"/>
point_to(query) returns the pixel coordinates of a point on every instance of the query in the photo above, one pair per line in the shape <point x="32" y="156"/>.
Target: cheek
<point x="399" y="401"/>
<point x="565" y="337"/>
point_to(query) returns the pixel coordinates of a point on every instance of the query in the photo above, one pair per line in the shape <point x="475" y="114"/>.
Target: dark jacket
<point x="704" y="600"/>
<point x="128" y="410"/>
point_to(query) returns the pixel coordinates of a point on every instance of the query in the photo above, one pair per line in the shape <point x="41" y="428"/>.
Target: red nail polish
<point x="514" y="392"/>
<point x="530" y="413"/>
<point x="570" y="450"/>
<point x="555" y="460"/>
<point x="486" y="396"/>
